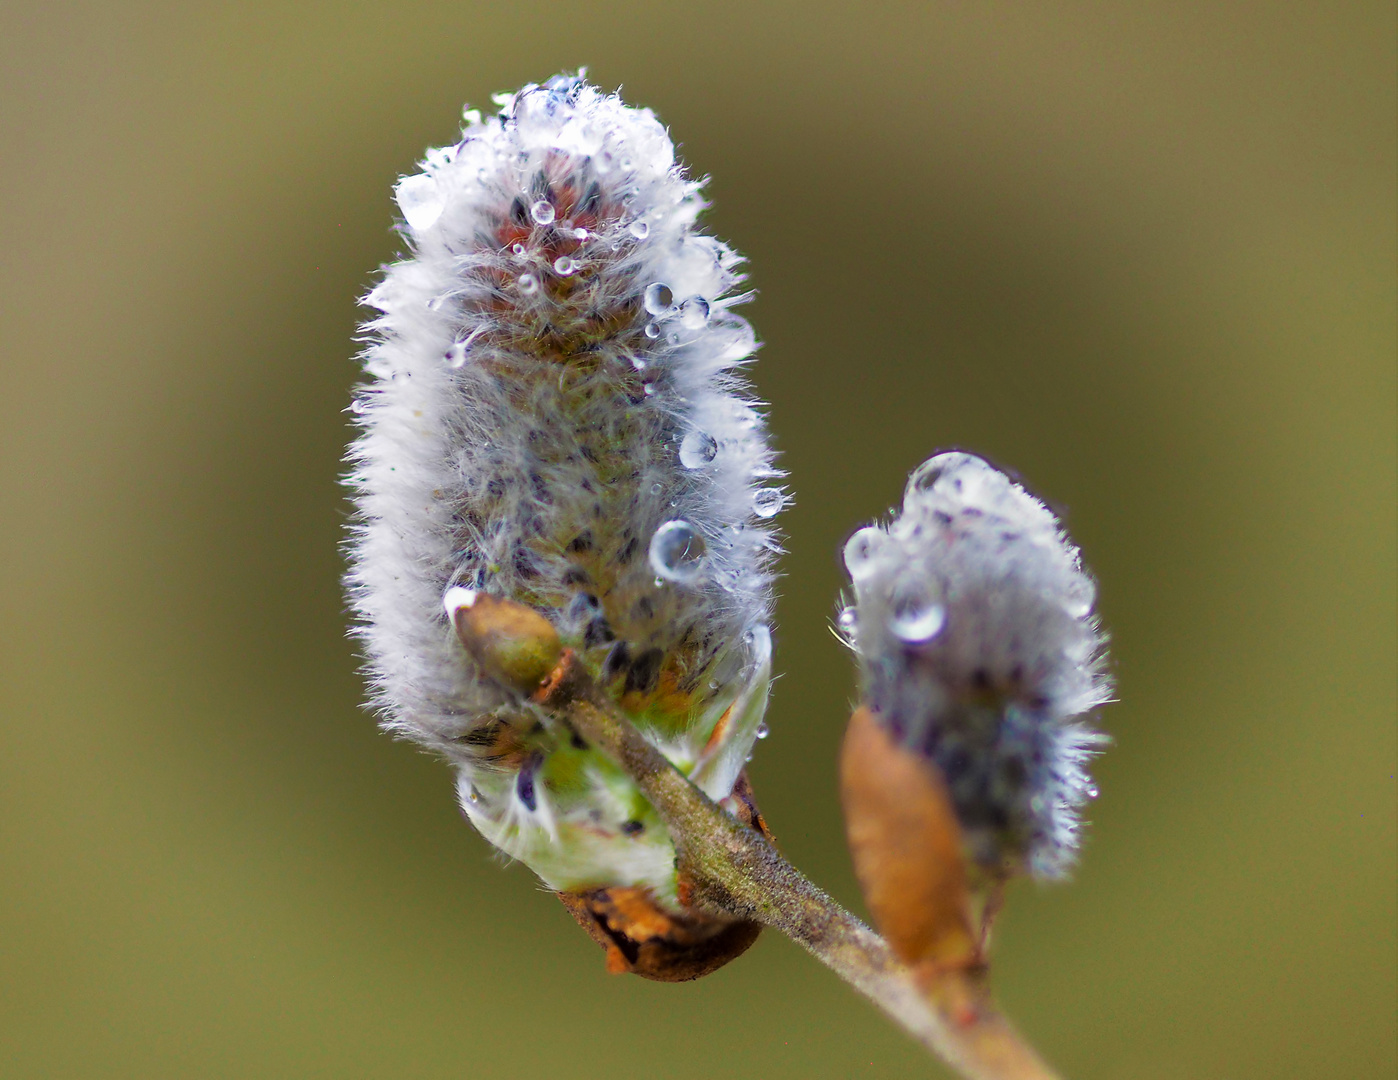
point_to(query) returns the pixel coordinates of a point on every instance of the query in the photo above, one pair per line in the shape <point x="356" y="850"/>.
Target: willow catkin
<point x="556" y="414"/>
<point x="978" y="649"/>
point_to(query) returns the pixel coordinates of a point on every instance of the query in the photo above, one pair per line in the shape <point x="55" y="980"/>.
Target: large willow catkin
<point x="557" y="415"/>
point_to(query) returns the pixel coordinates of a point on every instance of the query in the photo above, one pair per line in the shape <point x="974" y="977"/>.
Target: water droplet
<point x="639" y="229"/>
<point x="580" y="234"/>
<point x="697" y="449"/>
<point x="528" y="284"/>
<point x="1082" y="594"/>
<point x="638" y="363"/>
<point x="1091" y="791"/>
<point x="694" y="313"/>
<point x="762" y="731"/>
<point x="542" y="212"/>
<point x="758" y="639"/>
<point x="767" y="502"/>
<point x="650" y="389"/>
<point x="420" y="200"/>
<point x="925" y="478"/>
<point x="564" y="265"/>
<point x="862" y="551"/>
<point x="358" y="407"/>
<point x="677" y="551"/>
<point x="652" y="330"/>
<point x="659" y="299"/>
<point x="847" y="620"/>
<point x="673" y="337"/>
<point x="518" y="249"/>
<point x="955" y="467"/>
<point x="917" y="619"/>
<point x="655" y="488"/>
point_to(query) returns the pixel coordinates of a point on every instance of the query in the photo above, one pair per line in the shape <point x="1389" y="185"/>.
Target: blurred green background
<point x="1143" y="253"/>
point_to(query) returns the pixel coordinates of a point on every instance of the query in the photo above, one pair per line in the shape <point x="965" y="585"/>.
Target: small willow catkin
<point x="556" y="415"/>
<point x="978" y="649"/>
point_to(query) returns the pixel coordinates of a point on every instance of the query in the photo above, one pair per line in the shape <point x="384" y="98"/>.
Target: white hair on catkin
<point x="557" y="415"/>
<point x="978" y="648"/>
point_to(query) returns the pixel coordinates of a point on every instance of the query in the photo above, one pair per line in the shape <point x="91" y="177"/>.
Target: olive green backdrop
<point x="1143" y="253"/>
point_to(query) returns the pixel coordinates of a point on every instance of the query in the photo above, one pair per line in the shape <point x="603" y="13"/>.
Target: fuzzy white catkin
<point x="978" y="648"/>
<point x="557" y="415"/>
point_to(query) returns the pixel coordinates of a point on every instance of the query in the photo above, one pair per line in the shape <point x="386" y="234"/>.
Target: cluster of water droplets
<point x="966" y="534"/>
<point x="677" y="320"/>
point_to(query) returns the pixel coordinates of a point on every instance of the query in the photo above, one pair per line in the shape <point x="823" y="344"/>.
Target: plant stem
<point x="731" y="868"/>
